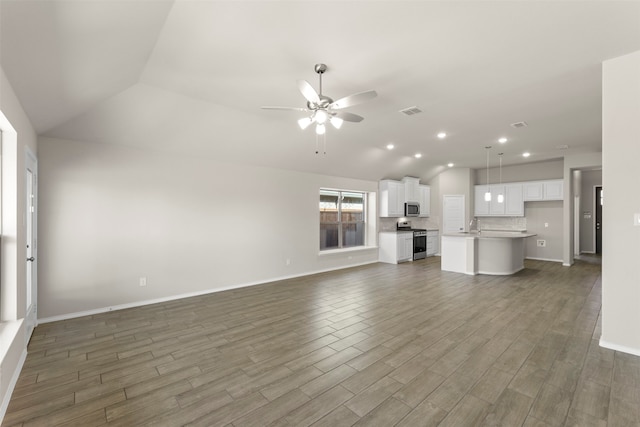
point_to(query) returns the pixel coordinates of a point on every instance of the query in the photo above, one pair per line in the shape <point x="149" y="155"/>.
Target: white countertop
<point x="492" y="234"/>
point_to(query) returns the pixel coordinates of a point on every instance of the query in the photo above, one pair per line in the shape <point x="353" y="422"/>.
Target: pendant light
<point x="501" y="195"/>
<point x="487" y="194"/>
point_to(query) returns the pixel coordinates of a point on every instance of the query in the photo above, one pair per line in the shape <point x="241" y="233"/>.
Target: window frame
<point x="340" y="222"/>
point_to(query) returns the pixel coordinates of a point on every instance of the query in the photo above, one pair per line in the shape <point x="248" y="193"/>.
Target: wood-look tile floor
<point x="377" y="345"/>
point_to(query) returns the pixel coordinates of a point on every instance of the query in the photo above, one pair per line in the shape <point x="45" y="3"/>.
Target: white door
<point x="453" y="217"/>
<point x="31" y="238"/>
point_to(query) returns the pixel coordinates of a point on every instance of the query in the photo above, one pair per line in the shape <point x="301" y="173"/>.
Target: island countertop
<point x="491" y="234"/>
<point x="486" y="252"/>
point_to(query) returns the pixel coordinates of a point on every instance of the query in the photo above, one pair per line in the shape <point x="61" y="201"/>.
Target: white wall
<point x="112" y="214"/>
<point x="13" y="251"/>
<point x="451" y="182"/>
<point x="545" y="220"/>
<point x="550" y="169"/>
<point x="620" y="178"/>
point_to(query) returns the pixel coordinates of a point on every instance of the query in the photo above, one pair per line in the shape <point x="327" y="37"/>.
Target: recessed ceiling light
<point x="417" y="155"/>
<point x="526" y="154"/>
<point x="450" y="165"/>
<point x="390" y="146"/>
<point x="502" y="140"/>
<point x="442" y="135"/>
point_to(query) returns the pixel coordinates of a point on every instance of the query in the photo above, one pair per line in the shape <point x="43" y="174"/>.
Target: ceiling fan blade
<point x="356" y="98"/>
<point x="308" y="92"/>
<point x="284" y="108"/>
<point x="348" y="117"/>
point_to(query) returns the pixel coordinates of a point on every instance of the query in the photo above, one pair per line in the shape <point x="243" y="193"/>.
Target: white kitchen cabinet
<point x="433" y="242"/>
<point x="411" y="189"/>
<point x="513" y="201"/>
<point x="481" y="206"/>
<point x="391" y="195"/>
<point x="425" y="200"/>
<point x="395" y="247"/>
<point x="495" y="207"/>
<point x="553" y="190"/>
<point x="532" y="191"/>
<point x="515" y="194"/>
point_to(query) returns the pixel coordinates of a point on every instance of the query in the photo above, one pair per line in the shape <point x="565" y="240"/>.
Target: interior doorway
<point x="598" y="199"/>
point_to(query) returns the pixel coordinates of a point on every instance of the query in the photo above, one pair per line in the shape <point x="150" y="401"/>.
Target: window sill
<point x="347" y="250"/>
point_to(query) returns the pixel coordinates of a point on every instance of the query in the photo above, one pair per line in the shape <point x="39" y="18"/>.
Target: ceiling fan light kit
<point x="322" y="109"/>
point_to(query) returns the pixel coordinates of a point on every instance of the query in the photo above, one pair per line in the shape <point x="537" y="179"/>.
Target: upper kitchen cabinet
<point x="532" y="191"/>
<point x="394" y="194"/>
<point x="391" y="198"/>
<point x="411" y="189"/>
<point x="515" y="194"/>
<point x="425" y="200"/>
<point x="554" y="190"/>
<point x="513" y="200"/>
<point x="543" y="190"/>
<point x="481" y="205"/>
<point x="495" y="206"/>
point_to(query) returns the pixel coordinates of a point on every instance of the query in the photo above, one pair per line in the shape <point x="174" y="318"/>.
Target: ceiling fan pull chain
<point x="324" y="141"/>
<point x="317" y="150"/>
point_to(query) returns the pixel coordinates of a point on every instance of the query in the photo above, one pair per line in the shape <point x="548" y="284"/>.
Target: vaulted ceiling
<point x="190" y="77"/>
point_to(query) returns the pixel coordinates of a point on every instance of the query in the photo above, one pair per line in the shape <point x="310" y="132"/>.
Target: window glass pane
<point x="329" y="206"/>
<point x="352" y="207"/>
<point x="352" y="235"/>
<point x="328" y="236"/>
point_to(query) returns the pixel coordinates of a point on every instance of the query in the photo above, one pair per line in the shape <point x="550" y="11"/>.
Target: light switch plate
<point x="636" y="219"/>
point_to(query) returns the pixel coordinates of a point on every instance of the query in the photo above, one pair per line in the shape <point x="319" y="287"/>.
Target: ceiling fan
<point x="323" y="109"/>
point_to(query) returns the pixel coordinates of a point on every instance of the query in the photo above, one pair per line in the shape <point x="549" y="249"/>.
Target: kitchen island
<point x="485" y="252"/>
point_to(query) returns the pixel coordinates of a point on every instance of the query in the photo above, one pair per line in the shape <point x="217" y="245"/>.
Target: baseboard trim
<point x="622" y="348"/>
<point x="543" y="259"/>
<point x="12" y="385"/>
<point x="188" y="295"/>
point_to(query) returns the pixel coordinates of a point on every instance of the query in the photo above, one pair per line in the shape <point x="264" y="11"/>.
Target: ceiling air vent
<point x="519" y="125"/>
<point x="411" y="111"/>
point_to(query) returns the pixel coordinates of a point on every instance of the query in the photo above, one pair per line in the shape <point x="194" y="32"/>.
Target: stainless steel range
<point x="419" y="239"/>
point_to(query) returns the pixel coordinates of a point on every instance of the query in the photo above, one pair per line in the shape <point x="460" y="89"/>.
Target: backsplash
<point x="506" y="223"/>
<point x="390" y="224"/>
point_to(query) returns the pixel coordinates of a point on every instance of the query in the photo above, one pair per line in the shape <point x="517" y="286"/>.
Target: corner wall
<point x="110" y="215"/>
<point x="18" y="133"/>
<point x="620" y="178"/>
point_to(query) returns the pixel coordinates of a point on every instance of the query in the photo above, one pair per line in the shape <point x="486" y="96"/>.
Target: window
<point x="342" y="219"/>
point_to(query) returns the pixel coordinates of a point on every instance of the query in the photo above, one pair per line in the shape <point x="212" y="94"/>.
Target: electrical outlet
<point x="288" y="261"/>
<point x="143" y="281"/>
<point x="542" y="243"/>
<point x="636" y="219"/>
<point x="546" y="225"/>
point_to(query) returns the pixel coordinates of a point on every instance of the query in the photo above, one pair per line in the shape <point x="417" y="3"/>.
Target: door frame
<point x="31" y="289"/>
<point x="595" y="217"/>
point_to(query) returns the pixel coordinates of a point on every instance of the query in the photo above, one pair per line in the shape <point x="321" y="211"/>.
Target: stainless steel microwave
<point x="411" y="209"/>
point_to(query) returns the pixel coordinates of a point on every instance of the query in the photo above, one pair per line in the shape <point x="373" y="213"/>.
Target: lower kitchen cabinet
<point x="433" y="242"/>
<point x="395" y="247"/>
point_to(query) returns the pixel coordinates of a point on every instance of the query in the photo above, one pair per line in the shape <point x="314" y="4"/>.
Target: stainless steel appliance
<point x="419" y="239"/>
<point x="411" y="209"/>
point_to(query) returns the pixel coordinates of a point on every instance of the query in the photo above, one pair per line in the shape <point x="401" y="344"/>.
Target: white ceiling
<point x="191" y="76"/>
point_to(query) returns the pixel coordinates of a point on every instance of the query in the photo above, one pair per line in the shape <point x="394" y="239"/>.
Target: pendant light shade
<point x="320" y="130"/>
<point x="487" y="194"/>
<point x="501" y="195"/>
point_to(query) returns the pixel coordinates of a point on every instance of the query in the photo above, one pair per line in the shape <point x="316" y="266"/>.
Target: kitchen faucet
<point x="477" y="221"/>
